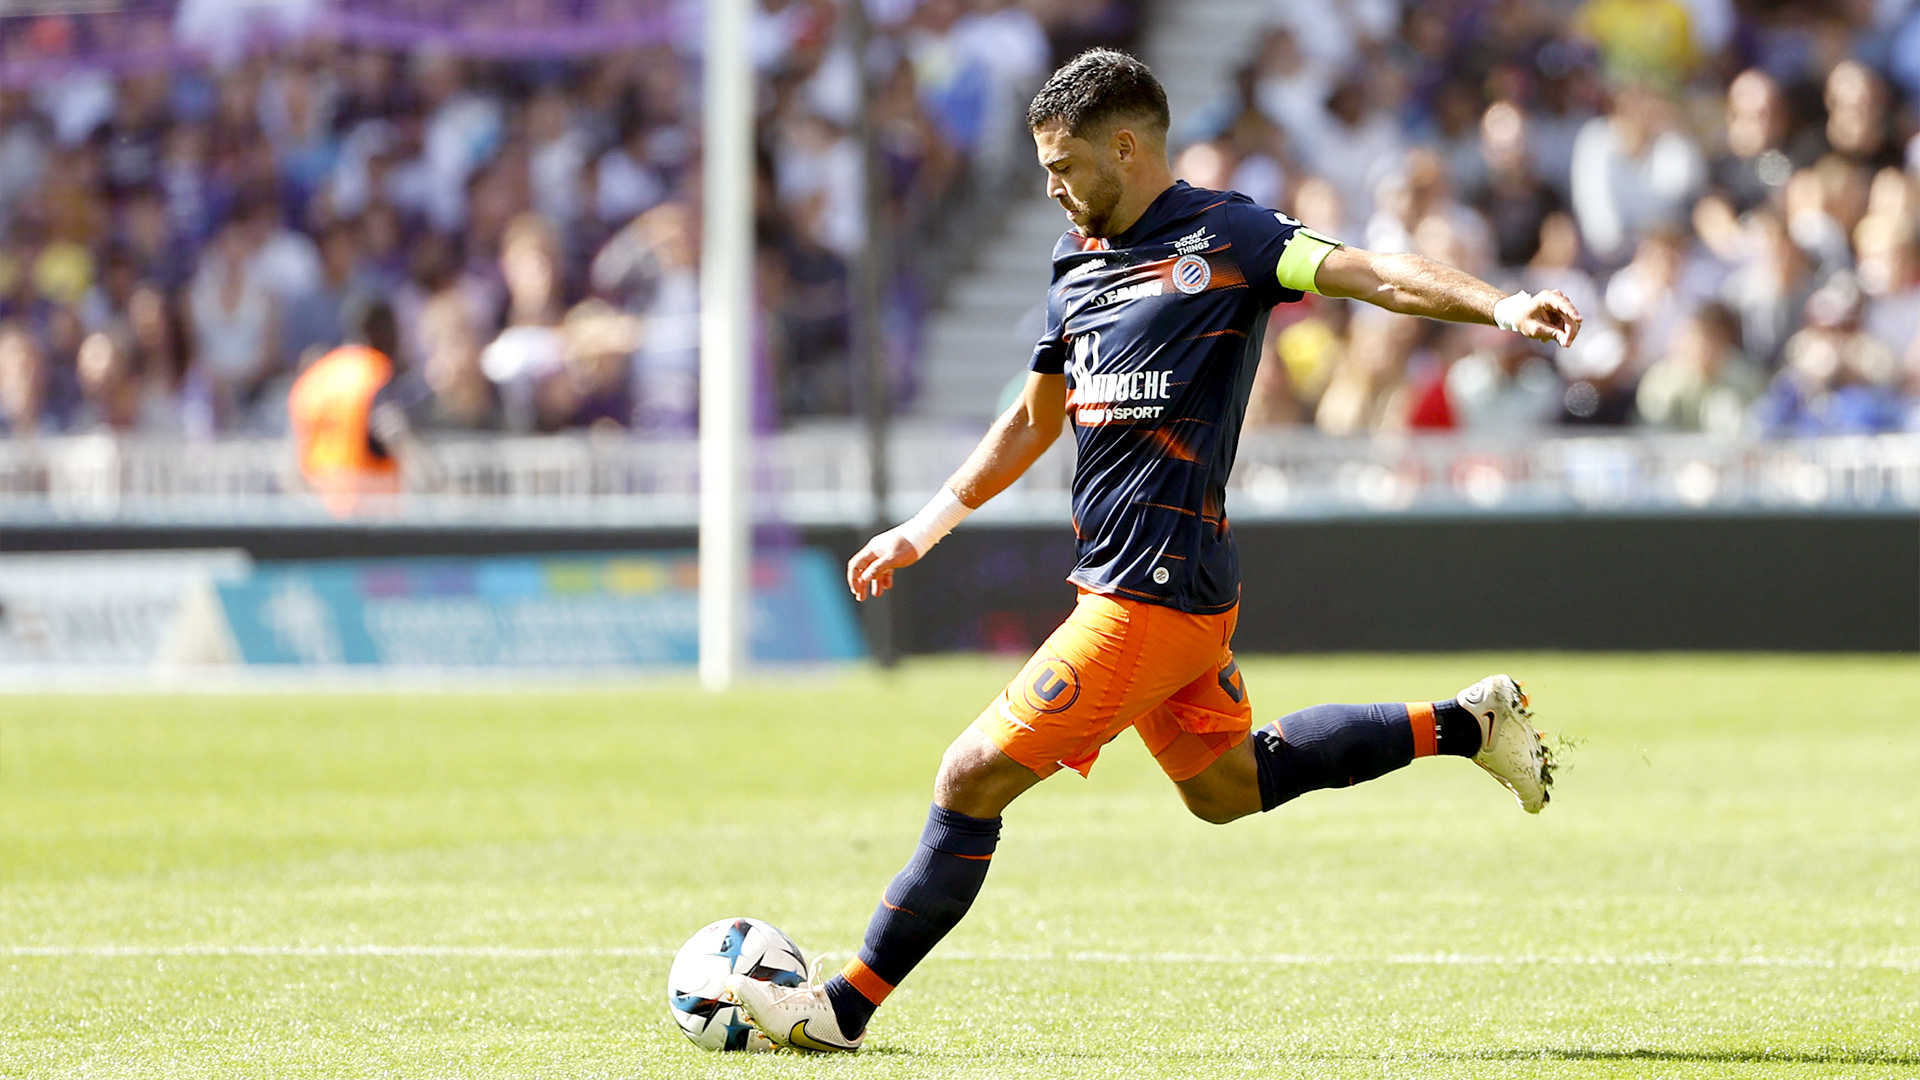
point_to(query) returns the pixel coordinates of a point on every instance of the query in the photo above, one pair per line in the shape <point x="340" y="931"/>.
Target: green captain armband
<point x="1301" y="259"/>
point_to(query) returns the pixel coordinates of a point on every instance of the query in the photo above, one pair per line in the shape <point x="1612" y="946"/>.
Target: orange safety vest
<point x="329" y="408"/>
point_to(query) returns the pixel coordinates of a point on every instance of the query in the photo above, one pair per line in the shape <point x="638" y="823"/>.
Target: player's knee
<point x="963" y="765"/>
<point x="977" y="779"/>
<point x="1214" y="809"/>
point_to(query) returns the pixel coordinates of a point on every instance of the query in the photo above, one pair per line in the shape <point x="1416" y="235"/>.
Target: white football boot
<point x="800" y="1018"/>
<point x="1510" y="748"/>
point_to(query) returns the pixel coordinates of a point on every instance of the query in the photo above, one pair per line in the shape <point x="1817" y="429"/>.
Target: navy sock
<point x="926" y="899"/>
<point x="1456" y="729"/>
<point x="1337" y="746"/>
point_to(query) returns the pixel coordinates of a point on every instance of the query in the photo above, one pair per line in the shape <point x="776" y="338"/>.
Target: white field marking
<point x="484" y="952"/>
<point x="1904" y="962"/>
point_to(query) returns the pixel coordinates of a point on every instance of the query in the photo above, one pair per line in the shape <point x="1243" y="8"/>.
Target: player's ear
<point x="1124" y="144"/>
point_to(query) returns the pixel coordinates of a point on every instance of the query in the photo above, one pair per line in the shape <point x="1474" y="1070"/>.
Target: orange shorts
<point x="1116" y="664"/>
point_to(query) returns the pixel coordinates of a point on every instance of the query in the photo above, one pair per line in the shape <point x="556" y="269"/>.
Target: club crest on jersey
<point x="1050" y="685"/>
<point x="1192" y="274"/>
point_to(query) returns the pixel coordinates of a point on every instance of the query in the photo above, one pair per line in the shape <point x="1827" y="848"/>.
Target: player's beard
<point x="1093" y="214"/>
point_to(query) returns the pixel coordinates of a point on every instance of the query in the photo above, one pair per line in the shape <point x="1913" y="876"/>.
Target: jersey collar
<point x="1157" y="212"/>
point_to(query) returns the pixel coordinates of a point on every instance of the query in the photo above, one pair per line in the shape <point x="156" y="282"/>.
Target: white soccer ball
<point x="699" y="976"/>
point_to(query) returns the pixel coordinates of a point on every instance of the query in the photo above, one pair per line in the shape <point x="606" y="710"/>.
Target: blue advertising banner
<point x="558" y="611"/>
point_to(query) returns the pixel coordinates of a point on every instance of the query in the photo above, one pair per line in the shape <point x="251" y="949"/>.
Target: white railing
<point x="821" y="477"/>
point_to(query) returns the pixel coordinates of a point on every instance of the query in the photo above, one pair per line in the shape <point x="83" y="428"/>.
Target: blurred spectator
<point x="594" y="388"/>
<point x="1641" y="41"/>
<point x="234" y="321"/>
<point x="820" y="180"/>
<point x="1823" y="204"/>
<point x="1647" y="296"/>
<point x="1348" y="138"/>
<point x="1632" y="169"/>
<point x="462" y="130"/>
<point x="531" y="349"/>
<point x="122" y="387"/>
<point x="1758" y="160"/>
<point x="1836" y="379"/>
<point x="1365" y="387"/>
<point x="316" y="317"/>
<point x="23" y="380"/>
<point x="649" y="269"/>
<point x="1599" y="379"/>
<point x="1703" y="383"/>
<point x="448" y="391"/>
<point x="1503" y="385"/>
<point x="625" y="181"/>
<point x="1859" y="120"/>
<point x="1890" y="276"/>
<point x="1769" y="287"/>
<point x="1514" y="199"/>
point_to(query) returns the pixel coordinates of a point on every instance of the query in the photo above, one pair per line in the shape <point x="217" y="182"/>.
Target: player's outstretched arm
<point x="1010" y="447"/>
<point x="1414" y="285"/>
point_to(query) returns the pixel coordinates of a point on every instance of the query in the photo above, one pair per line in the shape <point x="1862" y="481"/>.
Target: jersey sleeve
<point x="1278" y="254"/>
<point x="1050" y="352"/>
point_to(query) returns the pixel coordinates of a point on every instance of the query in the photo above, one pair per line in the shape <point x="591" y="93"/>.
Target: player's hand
<point x="870" y="571"/>
<point x="1551" y="318"/>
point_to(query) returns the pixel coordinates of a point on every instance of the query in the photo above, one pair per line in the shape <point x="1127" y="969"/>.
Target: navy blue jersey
<point x="1158" y="331"/>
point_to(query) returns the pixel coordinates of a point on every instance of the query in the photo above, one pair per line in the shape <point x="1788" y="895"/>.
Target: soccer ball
<point x="699" y="976"/>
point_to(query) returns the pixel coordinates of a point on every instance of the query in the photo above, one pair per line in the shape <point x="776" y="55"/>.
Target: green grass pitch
<point x="491" y="883"/>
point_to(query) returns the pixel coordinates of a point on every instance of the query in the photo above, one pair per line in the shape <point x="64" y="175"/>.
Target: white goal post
<point x="726" y="336"/>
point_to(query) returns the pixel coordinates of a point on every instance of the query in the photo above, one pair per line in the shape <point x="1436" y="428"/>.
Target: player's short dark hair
<point x="372" y="323"/>
<point x="1099" y="87"/>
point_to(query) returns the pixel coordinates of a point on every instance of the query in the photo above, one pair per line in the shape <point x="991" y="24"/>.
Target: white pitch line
<point x="1901" y="962"/>
<point x="501" y="952"/>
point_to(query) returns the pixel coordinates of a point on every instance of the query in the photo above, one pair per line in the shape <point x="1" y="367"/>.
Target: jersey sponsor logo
<point x="1086" y="355"/>
<point x="1050" y="685"/>
<point x="1137" y="291"/>
<point x="1083" y="269"/>
<point x="1107" y="397"/>
<point x="1116" y="387"/>
<point x="1161" y="575"/>
<point x="1192" y="274"/>
<point x="1197" y="240"/>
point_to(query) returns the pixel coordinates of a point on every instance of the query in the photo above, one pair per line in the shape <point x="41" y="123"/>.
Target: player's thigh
<point x="977" y="778"/>
<point x="1199" y="738"/>
<point x="1094" y="674"/>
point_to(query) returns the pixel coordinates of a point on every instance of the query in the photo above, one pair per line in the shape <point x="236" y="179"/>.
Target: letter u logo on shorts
<point x="1050" y="686"/>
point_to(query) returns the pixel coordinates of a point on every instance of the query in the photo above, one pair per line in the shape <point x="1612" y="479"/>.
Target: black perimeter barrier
<point x="1827" y="583"/>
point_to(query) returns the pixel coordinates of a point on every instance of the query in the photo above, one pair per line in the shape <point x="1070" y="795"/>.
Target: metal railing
<point x="819" y="477"/>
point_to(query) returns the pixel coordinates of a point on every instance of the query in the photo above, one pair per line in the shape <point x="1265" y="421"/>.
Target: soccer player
<point x="1154" y="324"/>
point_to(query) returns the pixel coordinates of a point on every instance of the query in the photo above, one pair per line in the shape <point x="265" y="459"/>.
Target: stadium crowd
<point x="179" y="241"/>
<point x="1730" y="191"/>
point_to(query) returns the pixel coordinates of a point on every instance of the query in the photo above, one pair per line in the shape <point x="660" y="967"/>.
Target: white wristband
<point x="1507" y="312"/>
<point x="934" y="521"/>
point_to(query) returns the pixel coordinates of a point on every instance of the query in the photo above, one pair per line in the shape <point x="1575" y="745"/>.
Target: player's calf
<point x="1342" y="745"/>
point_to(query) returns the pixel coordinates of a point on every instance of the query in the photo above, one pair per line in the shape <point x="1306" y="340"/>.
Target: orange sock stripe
<point x="1426" y="735"/>
<point x="975" y="858"/>
<point x="861" y="977"/>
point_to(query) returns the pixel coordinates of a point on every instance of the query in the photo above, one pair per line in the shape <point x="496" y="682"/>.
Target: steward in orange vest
<point x="330" y="408"/>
